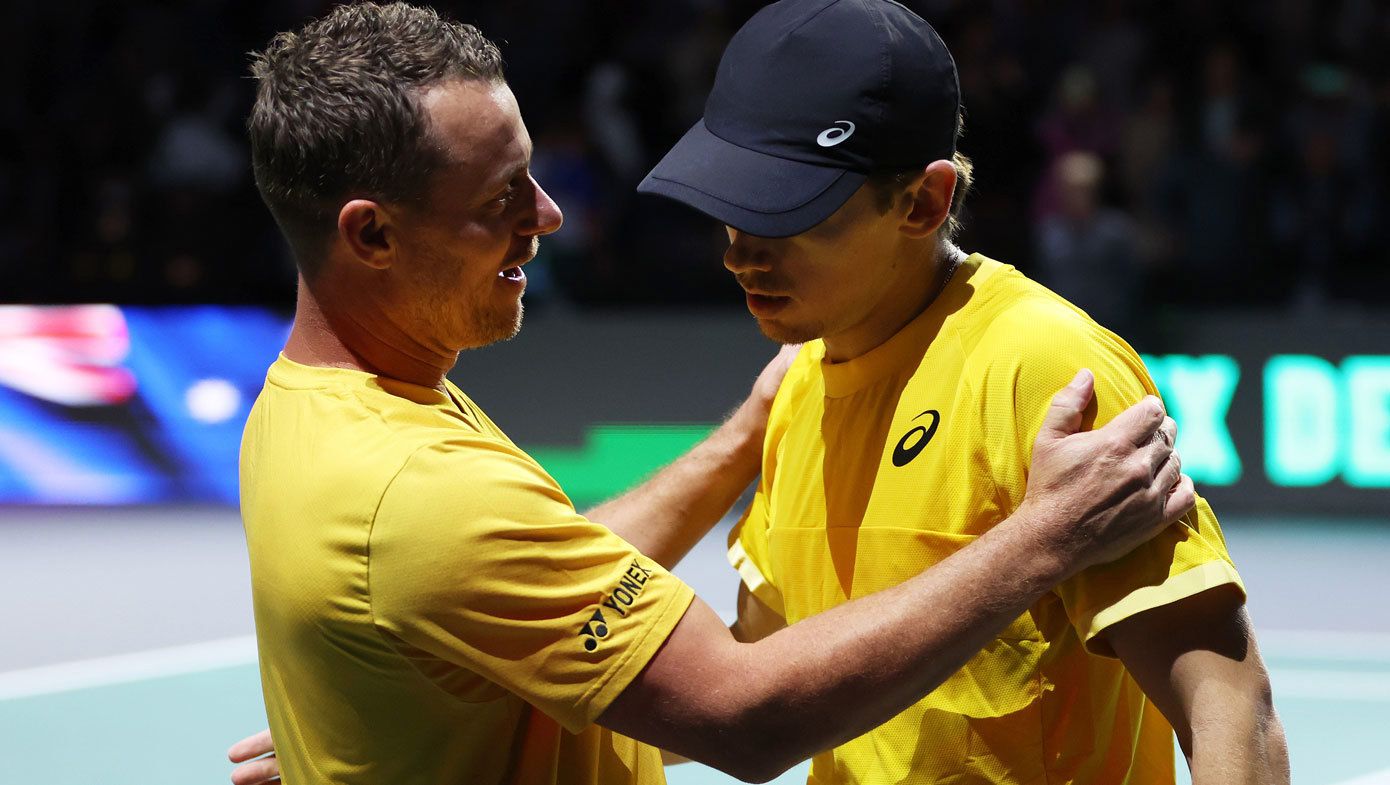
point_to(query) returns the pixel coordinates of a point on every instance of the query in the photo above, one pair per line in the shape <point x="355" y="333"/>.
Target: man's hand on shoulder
<point x="1094" y="496"/>
<point x="751" y="416"/>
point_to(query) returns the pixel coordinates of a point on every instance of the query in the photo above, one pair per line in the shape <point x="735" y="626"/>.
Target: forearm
<point x="666" y="515"/>
<point x="1198" y="661"/>
<point x="1239" y="741"/>
<point x="835" y="676"/>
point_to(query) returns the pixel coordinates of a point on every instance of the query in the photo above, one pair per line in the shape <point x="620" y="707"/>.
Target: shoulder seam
<point x="371" y="530"/>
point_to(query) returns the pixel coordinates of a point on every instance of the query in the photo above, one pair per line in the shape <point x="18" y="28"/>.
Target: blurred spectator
<point x="1077" y="122"/>
<point x="998" y="91"/>
<point x="1086" y="251"/>
<point x="1244" y="139"/>
<point x="1324" y="207"/>
<point x="1115" y="49"/>
<point x="1146" y="151"/>
<point x="1215" y="192"/>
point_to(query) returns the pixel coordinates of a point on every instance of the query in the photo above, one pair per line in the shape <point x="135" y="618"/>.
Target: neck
<point x="902" y="302"/>
<point x="335" y="330"/>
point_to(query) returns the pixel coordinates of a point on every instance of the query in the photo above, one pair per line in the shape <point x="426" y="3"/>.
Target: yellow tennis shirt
<point x="429" y="606"/>
<point x="927" y="439"/>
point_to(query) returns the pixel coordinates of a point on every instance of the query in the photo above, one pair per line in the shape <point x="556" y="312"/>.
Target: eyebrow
<point x="514" y="172"/>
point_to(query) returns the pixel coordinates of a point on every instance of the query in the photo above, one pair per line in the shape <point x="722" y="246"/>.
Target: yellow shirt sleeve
<point x="478" y="559"/>
<point x="1035" y="356"/>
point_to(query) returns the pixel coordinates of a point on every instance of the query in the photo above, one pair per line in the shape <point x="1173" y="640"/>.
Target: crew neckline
<point x="294" y="375"/>
<point x="906" y="345"/>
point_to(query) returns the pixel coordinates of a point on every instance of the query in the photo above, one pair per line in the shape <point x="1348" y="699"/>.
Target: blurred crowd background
<point x="1133" y="155"/>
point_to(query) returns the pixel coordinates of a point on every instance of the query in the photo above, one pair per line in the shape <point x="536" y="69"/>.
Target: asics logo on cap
<point x="835" y="134"/>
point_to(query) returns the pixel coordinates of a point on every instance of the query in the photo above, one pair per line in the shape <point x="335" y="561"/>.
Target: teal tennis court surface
<point x="128" y="655"/>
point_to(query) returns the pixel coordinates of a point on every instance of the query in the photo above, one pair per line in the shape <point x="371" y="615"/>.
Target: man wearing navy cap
<point x="903" y="430"/>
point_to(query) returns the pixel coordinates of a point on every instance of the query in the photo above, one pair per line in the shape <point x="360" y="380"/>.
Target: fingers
<point x="1168" y="474"/>
<point x="1138" y="424"/>
<point x="1167" y="432"/>
<point x="251" y="747"/>
<point x="765" y="387"/>
<point x="1179" y="494"/>
<point x="257" y="772"/>
<point x="1160" y="448"/>
<point x="1181" y="500"/>
<point x="785" y="356"/>
<point x="1064" y="415"/>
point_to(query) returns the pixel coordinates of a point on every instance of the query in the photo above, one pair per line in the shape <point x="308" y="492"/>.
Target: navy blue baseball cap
<point x="810" y="97"/>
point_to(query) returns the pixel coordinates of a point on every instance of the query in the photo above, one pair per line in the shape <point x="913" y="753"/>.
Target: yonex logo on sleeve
<point x="619" y="600"/>
<point x="596" y="628"/>
<point x="835" y="134"/>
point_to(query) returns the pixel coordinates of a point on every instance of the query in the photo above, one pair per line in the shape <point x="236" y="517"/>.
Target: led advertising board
<point x="120" y="405"/>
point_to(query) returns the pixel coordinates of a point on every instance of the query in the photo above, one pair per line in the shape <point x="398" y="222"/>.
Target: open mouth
<point x="764" y="305"/>
<point x="512" y="274"/>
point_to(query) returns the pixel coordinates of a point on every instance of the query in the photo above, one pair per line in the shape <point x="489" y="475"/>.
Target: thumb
<point x="1138" y="423"/>
<point x="1064" y="415"/>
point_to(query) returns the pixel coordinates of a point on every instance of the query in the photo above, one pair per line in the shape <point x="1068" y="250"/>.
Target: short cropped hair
<point x="338" y="112"/>
<point x="887" y="183"/>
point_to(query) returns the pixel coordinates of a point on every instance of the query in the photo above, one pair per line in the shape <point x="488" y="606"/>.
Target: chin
<point x="508" y="325"/>
<point x="515" y="326"/>
<point x="784" y="333"/>
<point x="495" y="327"/>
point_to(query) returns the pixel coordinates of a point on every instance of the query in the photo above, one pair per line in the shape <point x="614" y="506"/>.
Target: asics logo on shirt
<point x="915" y="440"/>
<point x="835" y="134"/>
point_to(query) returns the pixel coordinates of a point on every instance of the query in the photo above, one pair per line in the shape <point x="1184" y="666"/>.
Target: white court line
<point x="1374" y="778"/>
<point x="126" y="668"/>
<point x="1317" y="684"/>
<point x="1325" y="645"/>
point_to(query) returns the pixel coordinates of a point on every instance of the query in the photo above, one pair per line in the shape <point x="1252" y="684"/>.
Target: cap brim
<point x="753" y="192"/>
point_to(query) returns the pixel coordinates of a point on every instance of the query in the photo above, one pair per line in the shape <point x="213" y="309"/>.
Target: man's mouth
<point x="766" y="305"/>
<point x="513" y="272"/>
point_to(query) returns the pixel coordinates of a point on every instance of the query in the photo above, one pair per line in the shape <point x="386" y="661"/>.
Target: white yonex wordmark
<point x="834" y="135"/>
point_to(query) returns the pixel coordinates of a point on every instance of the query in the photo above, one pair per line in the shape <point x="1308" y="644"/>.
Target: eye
<point x="504" y="200"/>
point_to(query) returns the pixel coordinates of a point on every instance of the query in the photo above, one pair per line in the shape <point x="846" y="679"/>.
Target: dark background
<point x="1242" y="145"/>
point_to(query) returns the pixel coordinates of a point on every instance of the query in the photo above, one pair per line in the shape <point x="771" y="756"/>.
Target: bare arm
<point x="665" y="516"/>
<point x="754" y="709"/>
<point x="1197" y="661"/>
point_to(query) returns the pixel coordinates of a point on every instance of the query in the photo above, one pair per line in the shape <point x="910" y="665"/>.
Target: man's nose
<point x="746" y="253"/>
<point x="547" y="216"/>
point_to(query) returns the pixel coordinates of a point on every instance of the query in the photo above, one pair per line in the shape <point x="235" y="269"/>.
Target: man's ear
<point x="931" y="193"/>
<point x="368" y="231"/>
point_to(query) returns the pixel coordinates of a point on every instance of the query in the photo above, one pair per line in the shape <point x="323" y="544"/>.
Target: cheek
<point x="828" y="274"/>
<point x="480" y="248"/>
<point x="842" y="279"/>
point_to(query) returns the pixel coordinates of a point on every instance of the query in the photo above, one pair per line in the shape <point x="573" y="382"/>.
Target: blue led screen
<point x="107" y="405"/>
